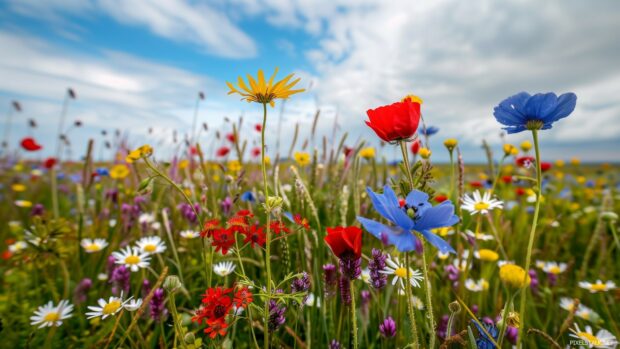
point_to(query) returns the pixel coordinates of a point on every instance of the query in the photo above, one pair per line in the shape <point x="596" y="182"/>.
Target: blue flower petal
<point x="439" y="216"/>
<point x="419" y="200"/>
<point x="438" y="242"/>
<point x="402" y="239"/>
<point x="540" y="105"/>
<point x="380" y="204"/>
<point x="565" y="105"/>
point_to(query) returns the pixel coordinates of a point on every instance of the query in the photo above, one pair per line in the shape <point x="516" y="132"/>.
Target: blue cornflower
<point x="483" y="341"/>
<point x="538" y="112"/>
<point x="416" y="215"/>
<point x="429" y="131"/>
<point x="248" y="196"/>
<point x="102" y="171"/>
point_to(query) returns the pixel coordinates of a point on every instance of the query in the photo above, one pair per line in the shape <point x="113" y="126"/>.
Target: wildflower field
<point x="328" y="247"/>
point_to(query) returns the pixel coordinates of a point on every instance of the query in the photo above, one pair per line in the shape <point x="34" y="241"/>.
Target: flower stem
<point x="427" y="288"/>
<point x="353" y="316"/>
<point x="409" y="293"/>
<point x="530" y="244"/>
<point x="268" y="232"/>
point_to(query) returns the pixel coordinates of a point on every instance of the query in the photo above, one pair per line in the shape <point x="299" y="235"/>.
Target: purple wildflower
<point x="330" y="279"/>
<point x="535" y="282"/>
<point x="276" y="315"/>
<point x="37" y="210"/>
<point x="334" y="344"/>
<point x="80" y="291"/>
<point x="376" y="264"/>
<point x="345" y="290"/>
<point x="350" y="267"/>
<point x="388" y="327"/>
<point x="157" y="304"/>
<point x="120" y="279"/>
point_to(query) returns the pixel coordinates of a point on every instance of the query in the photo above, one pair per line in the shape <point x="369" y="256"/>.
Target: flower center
<point x="51" y="317"/>
<point x="598" y="287"/>
<point x="401" y="272"/>
<point x="92" y="248"/>
<point x="554" y="270"/>
<point x="590" y="338"/>
<point x="132" y="260"/>
<point x="111" y="307"/>
<point x="534" y="125"/>
<point x="481" y="206"/>
<point x="150" y="248"/>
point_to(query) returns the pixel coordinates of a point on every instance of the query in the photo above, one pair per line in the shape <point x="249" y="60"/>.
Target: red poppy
<point x="223" y="239"/>
<point x="507" y="179"/>
<point x="29" y="144"/>
<point x="415" y="146"/>
<point x="475" y="184"/>
<point x="525" y="161"/>
<point x="303" y="222"/>
<point x="347" y="151"/>
<point x="440" y="198"/>
<point x="222" y="151"/>
<point x="545" y="166"/>
<point x="278" y="227"/>
<point x="49" y="163"/>
<point x="255" y="151"/>
<point x="193" y="150"/>
<point x="209" y="227"/>
<point x="243" y="297"/>
<point x="395" y="122"/>
<point x="520" y="191"/>
<point x="258" y="127"/>
<point x="345" y="241"/>
<point x="231" y="137"/>
<point x="254" y="235"/>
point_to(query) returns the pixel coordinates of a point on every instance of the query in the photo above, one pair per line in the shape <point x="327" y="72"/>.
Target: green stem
<point x="530" y="244"/>
<point x="409" y="294"/>
<point x="54" y="184"/>
<point x="499" y="171"/>
<point x="427" y="287"/>
<point x="452" y="196"/>
<point x="268" y="233"/>
<point x="353" y="316"/>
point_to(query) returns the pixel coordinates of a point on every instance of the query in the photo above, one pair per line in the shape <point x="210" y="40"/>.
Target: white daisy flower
<point x="105" y="309"/>
<point x="554" y="268"/>
<point x="476" y="286"/>
<point x="598" y="286"/>
<point x="602" y="339"/>
<point x="49" y="315"/>
<point x="478" y="203"/>
<point x="479" y="236"/>
<point x="417" y="302"/>
<point x="224" y="268"/>
<point x="112" y="223"/>
<point x="133" y="304"/>
<point x="18" y="246"/>
<point x="151" y="245"/>
<point x="155" y="225"/>
<point x="132" y="258"/>
<point x="189" y="234"/>
<point x="146" y="218"/>
<point x="394" y="267"/>
<point x="93" y="245"/>
<point x="311" y="300"/>
<point x="582" y="311"/>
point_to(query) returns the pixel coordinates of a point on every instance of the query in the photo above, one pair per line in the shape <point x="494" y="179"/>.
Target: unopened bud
<point x="172" y="284"/>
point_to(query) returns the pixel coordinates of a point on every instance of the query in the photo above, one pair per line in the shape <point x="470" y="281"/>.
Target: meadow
<point x="328" y="247"/>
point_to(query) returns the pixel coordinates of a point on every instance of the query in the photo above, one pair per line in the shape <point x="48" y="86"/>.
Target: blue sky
<point x="139" y="64"/>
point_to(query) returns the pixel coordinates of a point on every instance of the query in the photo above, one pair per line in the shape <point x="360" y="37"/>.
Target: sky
<point x="138" y="65"/>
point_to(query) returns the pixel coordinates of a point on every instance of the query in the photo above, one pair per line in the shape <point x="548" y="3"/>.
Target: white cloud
<point x="183" y="21"/>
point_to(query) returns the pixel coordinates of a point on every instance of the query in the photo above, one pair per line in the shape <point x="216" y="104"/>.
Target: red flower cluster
<point x="345" y="241"/>
<point x="217" y="304"/>
<point x="395" y="122"/>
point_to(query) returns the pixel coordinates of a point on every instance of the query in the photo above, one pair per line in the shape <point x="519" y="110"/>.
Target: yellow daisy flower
<point x="119" y="171"/>
<point x="264" y="92"/>
<point x="302" y="158"/>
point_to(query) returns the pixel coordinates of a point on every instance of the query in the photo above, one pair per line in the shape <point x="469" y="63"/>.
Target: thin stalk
<point x="353" y="316"/>
<point x="409" y="293"/>
<point x="268" y="233"/>
<point x="530" y="244"/>
<point x="427" y="287"/>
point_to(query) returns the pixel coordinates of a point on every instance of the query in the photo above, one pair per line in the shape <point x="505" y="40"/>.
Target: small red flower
<point x="223" y="239"/>
<point x="520" y="191"/>
<point x="217" y="302"/>
<point x="254" y="235"/>
<point x="507" y="179"/>
<point x="525" y="161"/>
<point x="347" y="151"/>
<point x="222" y="151"/>
<point x="415" y="146"/>
<point x="49" y="163"/>
<point x="441" y="198"/>
<point x="475" y="184"/>
<point x="193" y="150"/>
<point x="255" y="151"/>
<point x="231" y="137"/>
<point x="258" y="127"/>
<point x="345" y="241"/>
<point x="29" y="144"/>
<point x="209" y="228"/>
<point x="395" y="122"/>
<point x="245" y="213"/>
<point x="243" y="298"/>
<point x="303" y="222"/>
<point x="545" y="166"/>
<point x="277" y="227"/>
<point x="216" y="327"/>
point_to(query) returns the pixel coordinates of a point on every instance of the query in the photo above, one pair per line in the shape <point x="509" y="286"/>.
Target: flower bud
<point x="609" y="216"/>
<point x="425" y="153"/>
<point x="450" y="143"/>
<point x="172" y="284"/>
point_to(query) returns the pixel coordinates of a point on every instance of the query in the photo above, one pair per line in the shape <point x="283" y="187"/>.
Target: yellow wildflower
<point x="302" y="159"/>
<point x="264" y="92"/>
<point x="367" y="153"/>
<point x="119" y="171"/>
<point x="514" y="276"/>
<point x="143" y="151"/>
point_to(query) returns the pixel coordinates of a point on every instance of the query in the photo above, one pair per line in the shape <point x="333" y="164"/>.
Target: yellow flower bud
<point x="450" y="143"/>
<point x="526" y="146"/>
<point x="425" y="153"/>
<point x="513" y="276"/>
